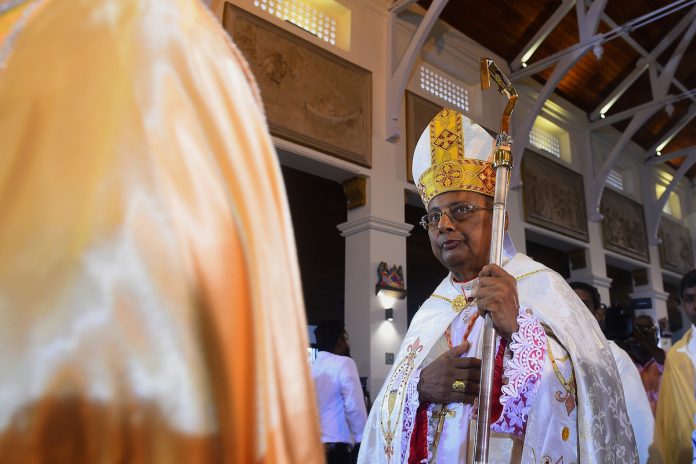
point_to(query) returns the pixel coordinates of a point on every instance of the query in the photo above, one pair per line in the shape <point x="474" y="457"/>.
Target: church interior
<point x="606" y="103"/>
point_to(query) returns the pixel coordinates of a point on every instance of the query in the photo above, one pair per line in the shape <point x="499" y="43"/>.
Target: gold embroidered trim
<point x="459" y="302"/>
<point x="524" y="276"/>
<point x="460" y="174"/>
<point x="396" y="392"/>
<point x="568" y="385"/>
<point x="441" y="414"/>
<point x="446" y="137"/>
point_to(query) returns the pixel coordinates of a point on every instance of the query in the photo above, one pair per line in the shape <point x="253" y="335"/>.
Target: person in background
<point x="637" y="404"/>
<point x="589" y="295"/>
<point x="676" y="406"/>
<point x="647" y="356"/>
<point x="339" y="393"/>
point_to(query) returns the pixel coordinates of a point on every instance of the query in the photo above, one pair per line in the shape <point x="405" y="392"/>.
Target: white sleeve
<point x="353" y="399"/>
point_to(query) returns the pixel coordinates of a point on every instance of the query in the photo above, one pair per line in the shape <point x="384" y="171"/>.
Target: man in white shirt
<point x="339" y="393"/>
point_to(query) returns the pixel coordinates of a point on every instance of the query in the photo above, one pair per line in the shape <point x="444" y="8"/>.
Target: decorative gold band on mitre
<point x="450" y="169"/>
<point x="467" y="174"/>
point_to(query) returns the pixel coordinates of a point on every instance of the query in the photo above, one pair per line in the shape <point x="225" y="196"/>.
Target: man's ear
<point x="507" y="220"/>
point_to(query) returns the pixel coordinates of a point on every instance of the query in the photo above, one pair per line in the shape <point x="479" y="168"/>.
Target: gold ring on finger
<point x="459" y="386"/>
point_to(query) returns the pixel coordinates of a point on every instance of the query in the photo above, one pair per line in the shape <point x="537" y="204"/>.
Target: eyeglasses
<point x="456" y="213"/>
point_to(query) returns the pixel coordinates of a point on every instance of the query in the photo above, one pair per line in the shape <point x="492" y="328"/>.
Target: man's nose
<point x="445" y="223"/>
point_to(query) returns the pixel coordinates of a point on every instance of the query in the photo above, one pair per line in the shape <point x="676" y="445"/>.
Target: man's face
<point x="343" y="345"/>
<point x="689" y="303"/>
<point x="646" y="326"/>
<point x="462" y="247"/>
<point x="586" y="297"/>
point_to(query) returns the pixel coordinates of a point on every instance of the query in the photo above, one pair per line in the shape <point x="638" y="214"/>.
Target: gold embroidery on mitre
<point x="465" y="174"/>
<point x="446" y="137"/>
<point x="487" y="177"/>
<point x="450" y="170"/>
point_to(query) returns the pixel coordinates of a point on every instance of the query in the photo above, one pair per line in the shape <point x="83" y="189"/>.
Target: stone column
<point x="653" y="288"/>
<point x="370" y="240"/>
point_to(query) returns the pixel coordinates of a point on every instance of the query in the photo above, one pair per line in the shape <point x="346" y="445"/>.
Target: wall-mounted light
<point x="389" y="314"/>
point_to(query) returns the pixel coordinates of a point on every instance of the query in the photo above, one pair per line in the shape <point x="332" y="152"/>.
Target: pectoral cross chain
<point x="442" y="414"/>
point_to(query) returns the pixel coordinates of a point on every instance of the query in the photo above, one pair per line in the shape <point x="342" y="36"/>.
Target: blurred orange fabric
<point x="150" y="302"/>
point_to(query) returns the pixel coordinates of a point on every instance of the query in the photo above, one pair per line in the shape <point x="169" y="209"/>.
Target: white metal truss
<point x="660" y="83"/>
<point x="661" y="79"/>
<point x="674" y="130"/>
<point x="653" y="104"/>
<point x="653" y="211"/>
<point x="588" y="20"/>
<point x="399" y="75"/>
<point x="646" y="60"/>
<point x="654" y="160"/>
<point x="400" y="5"/>
<point x="526" y="53"/>
<point x="641" y="66"/>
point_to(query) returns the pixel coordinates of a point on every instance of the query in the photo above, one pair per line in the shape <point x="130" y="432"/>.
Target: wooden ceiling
<point x="506" y="26"/>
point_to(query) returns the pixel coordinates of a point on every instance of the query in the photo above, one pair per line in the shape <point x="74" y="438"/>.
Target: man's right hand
<point x="435" y="384"/>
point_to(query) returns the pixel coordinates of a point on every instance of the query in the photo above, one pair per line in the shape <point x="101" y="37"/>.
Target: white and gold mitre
<point x="453" y="153"/>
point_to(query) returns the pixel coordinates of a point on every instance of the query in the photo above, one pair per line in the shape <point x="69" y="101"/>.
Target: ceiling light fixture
<point x="598" y="50"/>
<point x="669" y="109"/>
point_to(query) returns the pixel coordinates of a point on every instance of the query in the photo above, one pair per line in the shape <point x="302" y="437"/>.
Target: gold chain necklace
<point x="458" y="303"/>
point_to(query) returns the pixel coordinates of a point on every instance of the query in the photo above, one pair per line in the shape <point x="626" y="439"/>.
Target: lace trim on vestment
<point x="523" y="373"/>
<point x="411" y="403"/>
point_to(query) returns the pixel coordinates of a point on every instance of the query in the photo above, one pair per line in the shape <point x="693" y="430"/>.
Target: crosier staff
<point x="502" y="162"/>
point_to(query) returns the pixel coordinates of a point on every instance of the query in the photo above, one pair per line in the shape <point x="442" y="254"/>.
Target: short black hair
<point x="328" y="333"/>
<point x="591" y="289"/>
<point x="688" y="281"/>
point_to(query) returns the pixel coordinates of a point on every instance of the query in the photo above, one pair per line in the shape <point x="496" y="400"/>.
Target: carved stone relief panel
<point x="676" y="253"/>
<point x="623" y="227"/>
<point x="554" y="196"/>
<point x="311" y="96"/>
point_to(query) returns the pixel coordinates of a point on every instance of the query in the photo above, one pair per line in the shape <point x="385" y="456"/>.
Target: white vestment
<point x="545" y="414"/>
<point x="637" y="404"/>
